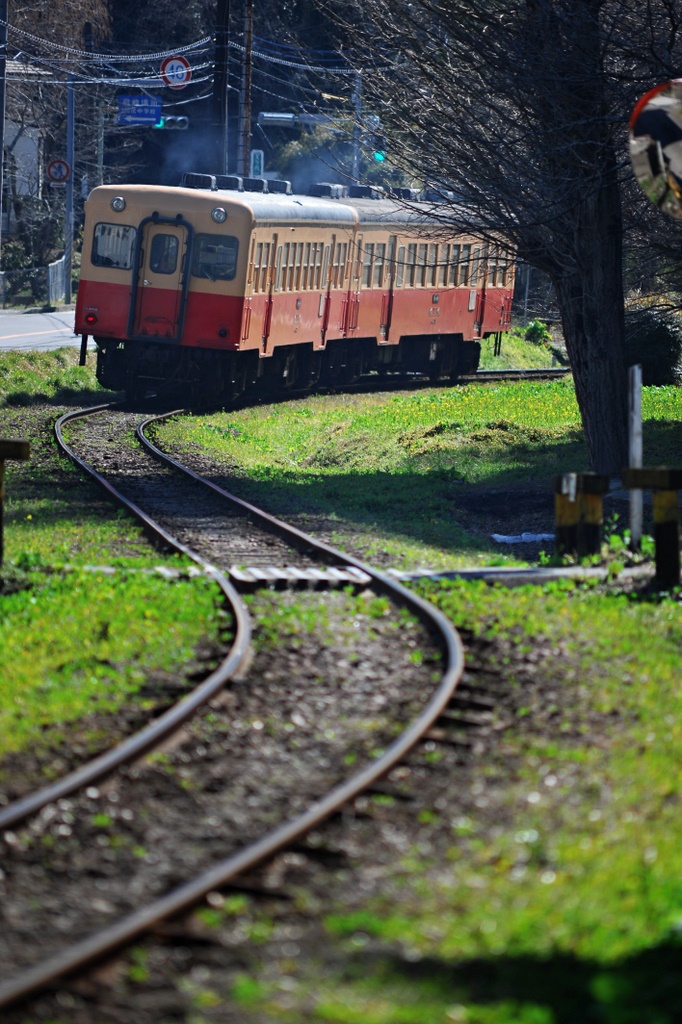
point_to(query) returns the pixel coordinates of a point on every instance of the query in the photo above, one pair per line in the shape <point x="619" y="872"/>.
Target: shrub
<point x="537" y="333"/>
<point x="654" y="339"/>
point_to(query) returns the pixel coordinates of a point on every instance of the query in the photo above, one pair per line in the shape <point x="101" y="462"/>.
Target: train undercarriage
<point x="208" y="377"/>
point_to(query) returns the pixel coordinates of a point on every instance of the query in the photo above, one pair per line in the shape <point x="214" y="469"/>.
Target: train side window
<point x="421" y="265"/>
<point x="306" y="266"/>
<point x="289" y="283"/>
<point x="318" y="265"/>
<point x="342" y="253"/>
<point x="367" y="264"/>
<point x="215" y="257"/>
<point x="400" y="269"/>
<point x="278" y="269"/>
<point x="265" y="263"/>
<point x="163" y="254"/>
<point x="380" y="254"/>
<point x="389" y="271"/>
<point x="453" y="266"/>
<point x="299" y="258"/>
<point x="432" y="279"/>
<point x="325" y="266"/>
<point x="285" y="265"/>
<point x="443" y="268"/>
<point x="464" y="265"/>
<point x="475" y="266"/>
<point x="358" y="260"/>
<point x="255" y="266"/>
<point x="411" y="265"/>
<point x="113" y="245"/>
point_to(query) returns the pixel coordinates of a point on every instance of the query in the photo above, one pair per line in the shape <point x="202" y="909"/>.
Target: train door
<point x="160" y="278"/>
<point x="271" y="270"/>
<point x="479" y="280"/>
<point x="387" y="293"/>
<point x="326" y="297"/>
<point x="351" y="310"/>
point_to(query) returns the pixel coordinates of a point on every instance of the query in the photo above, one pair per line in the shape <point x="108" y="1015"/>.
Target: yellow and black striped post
<point x="579" y="512"/>
<point x="9" y="450"/>
<point x="665" y="484"/>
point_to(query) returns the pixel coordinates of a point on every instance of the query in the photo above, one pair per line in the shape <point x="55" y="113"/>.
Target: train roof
<point x="273" y="207"/>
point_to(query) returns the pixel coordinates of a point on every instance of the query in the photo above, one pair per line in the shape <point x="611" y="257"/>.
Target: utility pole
<point x="244" y="156"/>
<point x="70" y="153"/>
<point x="357" y="123"/>
<point x="219" y="97"/>
<point x="3" y="80"/>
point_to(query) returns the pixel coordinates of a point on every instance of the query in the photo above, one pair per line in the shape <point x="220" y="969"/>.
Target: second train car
<point x="206" y="290"/>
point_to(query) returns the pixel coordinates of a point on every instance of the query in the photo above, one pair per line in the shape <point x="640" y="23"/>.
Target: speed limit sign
<point x="176" y="72"/>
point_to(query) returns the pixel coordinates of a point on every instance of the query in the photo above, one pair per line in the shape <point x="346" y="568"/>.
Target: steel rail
<point x="426" y="612"/>
<point x="123" y="932"/>
<point x="151" y="735"/>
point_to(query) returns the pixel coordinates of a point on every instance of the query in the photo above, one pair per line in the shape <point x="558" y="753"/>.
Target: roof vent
<point x="412" y="194"/>
<point x="279" y="185"/>
<point x="432" y="195"/>
<point x="192" y="180"/>
<point x="365" y="192"/>
<point x="328" y="189"/>
<point x="255" y="184"/>
<point x="230" y="181"/>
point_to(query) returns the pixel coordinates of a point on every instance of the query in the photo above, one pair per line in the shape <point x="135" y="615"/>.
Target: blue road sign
<point x="138" y="109"/>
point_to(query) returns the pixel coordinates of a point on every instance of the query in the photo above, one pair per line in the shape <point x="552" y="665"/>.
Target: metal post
<point x="3" y="80"/>
<point x="357" y="122"/>
<point x="635" y="453"/>
<point x="68" y="227"/>
<point x="244" y="156"/>
<point x="219" y="96"/>
<point x="525" y="298"/>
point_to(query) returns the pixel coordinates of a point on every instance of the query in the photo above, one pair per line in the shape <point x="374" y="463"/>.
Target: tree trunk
<point x="591" y="302"/>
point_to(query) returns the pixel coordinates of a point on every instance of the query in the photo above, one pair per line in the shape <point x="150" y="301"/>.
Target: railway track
<point x="171" y="880"/>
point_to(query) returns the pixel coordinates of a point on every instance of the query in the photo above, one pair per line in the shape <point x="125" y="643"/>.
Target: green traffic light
<point x="379" y="156"/>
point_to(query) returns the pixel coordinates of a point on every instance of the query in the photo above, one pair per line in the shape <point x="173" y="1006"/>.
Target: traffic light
<point x="379" y="148"/>
<point x="172" y="121"/>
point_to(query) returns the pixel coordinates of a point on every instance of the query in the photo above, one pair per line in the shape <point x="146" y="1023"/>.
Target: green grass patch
<point x="556" y="898"/>
<point x="517" y="352"/>
<point x="82" y="641"/>
<point x="30" y="377"/>
<point x="75" y="642"/>
<point x="387" y="471"/>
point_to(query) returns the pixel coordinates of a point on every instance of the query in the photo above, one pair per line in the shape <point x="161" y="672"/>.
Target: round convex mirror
<point x="656" y="146"/>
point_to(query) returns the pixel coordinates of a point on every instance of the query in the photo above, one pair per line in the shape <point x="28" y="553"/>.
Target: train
<point x="221" y="284"/>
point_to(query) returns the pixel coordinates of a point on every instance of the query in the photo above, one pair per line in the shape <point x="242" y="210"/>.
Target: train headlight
<point x="219" y="215"/>
<point x="118" y="204"/>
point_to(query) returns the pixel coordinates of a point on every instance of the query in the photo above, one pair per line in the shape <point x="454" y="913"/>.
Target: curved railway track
<point x="145" y="488"/>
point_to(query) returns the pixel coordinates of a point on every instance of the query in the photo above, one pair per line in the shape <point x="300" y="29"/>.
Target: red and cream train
<point x="207" y="288"/>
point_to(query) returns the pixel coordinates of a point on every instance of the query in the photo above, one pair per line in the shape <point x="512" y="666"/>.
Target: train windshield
<point x="113" y="245"/>
<point x="215" y="257"/>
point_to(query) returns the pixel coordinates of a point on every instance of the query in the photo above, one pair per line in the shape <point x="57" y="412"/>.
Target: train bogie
<point x="209" y="291"/>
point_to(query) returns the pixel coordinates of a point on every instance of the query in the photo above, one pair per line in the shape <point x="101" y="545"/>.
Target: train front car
<point x="162" y="289"/>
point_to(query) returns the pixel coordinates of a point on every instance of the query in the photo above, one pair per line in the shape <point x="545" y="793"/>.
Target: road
<point x="45" y="331"/>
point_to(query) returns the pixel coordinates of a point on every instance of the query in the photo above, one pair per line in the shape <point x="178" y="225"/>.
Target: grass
<point x="74" y="641"/>
<point x="556" y="898"/>
<point x="82" y="642"/>
<point x="388" y="471"/>
<point x="516" y="353"/>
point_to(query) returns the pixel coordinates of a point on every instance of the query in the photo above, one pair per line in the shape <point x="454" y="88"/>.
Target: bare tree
<point x="516" y="110"/>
